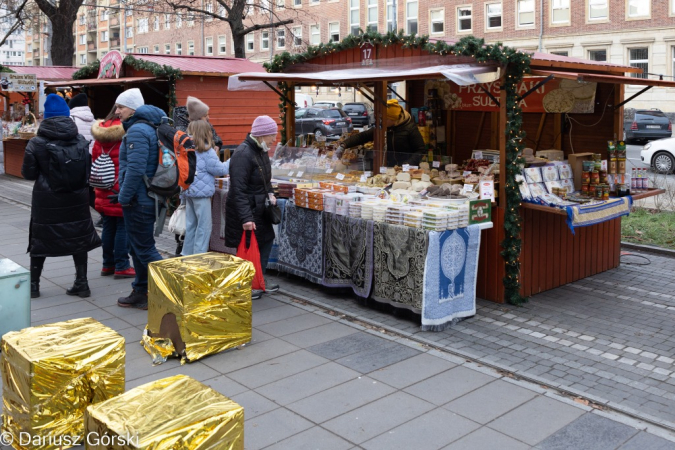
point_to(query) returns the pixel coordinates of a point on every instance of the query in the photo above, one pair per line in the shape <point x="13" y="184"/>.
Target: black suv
<point x="322" y="122"/>
<point x="362" y="114"/>
<point x="648" y="125"/>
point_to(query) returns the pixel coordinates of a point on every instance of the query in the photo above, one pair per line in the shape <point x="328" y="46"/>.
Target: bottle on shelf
<point x="633" y="179"/>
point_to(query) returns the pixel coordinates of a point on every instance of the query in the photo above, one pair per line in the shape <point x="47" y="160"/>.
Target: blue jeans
<point x="265" y="250"/>
<point x="115" y="243"/>
<point x="197" y="225"/>
<point x="140" y="224"/>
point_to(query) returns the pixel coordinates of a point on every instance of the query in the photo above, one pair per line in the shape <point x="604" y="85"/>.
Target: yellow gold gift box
<point x="198" y="305"/>
<point x="51" y="373"/>
<point x="173" y="413"/>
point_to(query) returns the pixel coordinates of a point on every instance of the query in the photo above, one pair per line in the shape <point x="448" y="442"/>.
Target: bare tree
<point x="16" y="13"/>
<point x="62" y="17"/>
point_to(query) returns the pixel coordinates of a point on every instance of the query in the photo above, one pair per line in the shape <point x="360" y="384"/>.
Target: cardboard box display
<point x="550" y="173"/>
<point x="575" y="161"/>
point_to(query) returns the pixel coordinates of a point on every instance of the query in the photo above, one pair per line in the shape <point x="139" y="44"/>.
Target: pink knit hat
<point x="263" y="126"/>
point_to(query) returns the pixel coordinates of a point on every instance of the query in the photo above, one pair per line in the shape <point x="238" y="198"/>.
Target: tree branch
<point x="46" y="7"/>
<point x="267" y="25"/>
<point x="18" y="24"/>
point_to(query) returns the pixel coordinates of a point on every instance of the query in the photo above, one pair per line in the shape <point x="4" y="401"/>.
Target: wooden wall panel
<point x="489" y="284"/>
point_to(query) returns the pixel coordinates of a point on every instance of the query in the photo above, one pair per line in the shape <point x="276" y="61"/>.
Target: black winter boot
<point x="36" y="266"/>
<point x="81" y="286"/>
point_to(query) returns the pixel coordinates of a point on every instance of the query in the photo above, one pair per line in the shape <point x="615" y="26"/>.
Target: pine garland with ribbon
<point x="164" y="71"/>
<point x="516" y="64"/>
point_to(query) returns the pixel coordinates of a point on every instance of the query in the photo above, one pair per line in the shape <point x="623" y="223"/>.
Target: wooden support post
<point x="557" y="132"/>
<point x="494" y="130"/>
<point x="618" y="113"/>
<point x="380" y="132"/>
<point x="290" y="116"/>
<point x="502" y="146"/>
<point x="479" y="130"/>
<point x="539" y="130"/>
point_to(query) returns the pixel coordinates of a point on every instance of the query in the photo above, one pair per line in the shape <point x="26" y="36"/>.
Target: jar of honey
<point x="595" y="177"/>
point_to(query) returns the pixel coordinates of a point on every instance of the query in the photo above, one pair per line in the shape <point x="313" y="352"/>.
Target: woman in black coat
<point x="250" y="185"/>
<point x="60" y="222"/>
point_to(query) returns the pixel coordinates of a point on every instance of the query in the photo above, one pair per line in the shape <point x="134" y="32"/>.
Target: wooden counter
<point x="551" y="255"/>
<point x="14" y="150"/>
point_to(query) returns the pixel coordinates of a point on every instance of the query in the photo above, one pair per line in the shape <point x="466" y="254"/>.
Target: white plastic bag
<point x="177" y="222"/>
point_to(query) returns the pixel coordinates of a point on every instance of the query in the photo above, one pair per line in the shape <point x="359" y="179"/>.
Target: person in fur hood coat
<point x="108" y="136"/>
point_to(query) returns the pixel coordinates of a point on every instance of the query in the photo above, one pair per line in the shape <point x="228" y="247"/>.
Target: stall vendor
<point x="403" y="137"/>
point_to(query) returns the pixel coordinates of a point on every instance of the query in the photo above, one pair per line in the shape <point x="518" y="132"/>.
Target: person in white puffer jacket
<point x="82" y="116"/>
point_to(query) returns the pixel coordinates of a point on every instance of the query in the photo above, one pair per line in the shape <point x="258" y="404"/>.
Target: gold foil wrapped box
<point x="198" y="305"/>
<point x="51" y="373"/>
<point x="169" y="414"/>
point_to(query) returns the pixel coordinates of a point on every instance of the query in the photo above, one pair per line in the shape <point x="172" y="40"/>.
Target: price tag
<point x="340" y="176"/>
<point x="477" y="154"/>
<point x="300" y="174"/>
<point x="329" y="170"/>
<point x="468" y="188"/>
<point x="414" y="167"/>
<point x="290" y="174"/>
<point x="466" y="173"/>
<point x="487" y="190"/>
<point x="383" y="170"/>
<point x="368" y="173"/>
<point x="363" y="178"/>
<point x="406" y="167"/>
<point x="436" y="164"/>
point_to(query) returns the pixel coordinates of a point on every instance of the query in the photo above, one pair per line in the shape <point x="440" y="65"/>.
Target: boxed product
<point x="550" y="185"/>
<point x="537" y="189"/>
<point x="550" y="173"/>
<point x="198" y="305"/>
<point x="533" y="175"/>
<point x="565" y="172"/>
<point x="524" y="188"/>
<point x="51" y="373"/>
<point x="568" y="185"/>
<point x="576" y="163"/>
<point x="173" y="413"/>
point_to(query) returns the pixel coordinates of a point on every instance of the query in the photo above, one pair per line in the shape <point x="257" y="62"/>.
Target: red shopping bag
<point x="252" y="253"/>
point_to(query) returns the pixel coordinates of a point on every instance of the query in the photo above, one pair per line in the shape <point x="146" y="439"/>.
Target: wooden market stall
<point x="167" y="80"/>
<point x="14" y="147"/>
<point x="551" y="255"/>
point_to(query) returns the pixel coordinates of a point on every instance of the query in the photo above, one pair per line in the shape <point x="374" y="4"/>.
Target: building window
<point x="372" y="15"/>
<point x="437" y="17"/>
<point x="560" y="11"/>
<point x="142" y="26"/>
<point x="167" y="21"/>
<point x="281" y="38"/>
<point x="598" y="9"/>
<point x="265" y="40"/>
<point x="104" y="14"/>
<point x="638" y="8"/>
<point x="297" y="36"/>
<point x="129" y="32"/>
<point x="143" y="50"/>
<point x="597" y="55"/>
<point x="82" y="22"/>
<point x="179" y="21"/>
<point x="155" y="49"/>
<point x="493" y="13"/>
<point x="179" y="48"/>
<point x="83" y="59"/>
<point x="525" y="13"/>
<point x="167" y="49"/>
<point x="391" y="16"/>
<point x="354" y="17"/>
<point x="560" y="53"/>
<point x="464" y="18"/>
<point x="297" y="3"/>
<point x="208" y="45"/>
<point x="314" y="34"/>
<point x="334" y="31"/>
<point x="156" y="23"/>
<point x="104" y="36"/>
<point x="250" y="42"/>
<point x="314" y="2"/>
<point x="639" y="57"/>
<point x="83" y="39"/>
<point x="222" y="45"/>
<point x="190" y="20"/>
<point x="209" y="10"/>
<point x="281" y="4"/>
<point x="411" y="16"/>
<point x="191" y="48"/>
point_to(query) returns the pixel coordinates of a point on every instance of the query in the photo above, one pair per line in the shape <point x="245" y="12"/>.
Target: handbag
<point x="272" y="211"/>
<point x="177" y="222"/>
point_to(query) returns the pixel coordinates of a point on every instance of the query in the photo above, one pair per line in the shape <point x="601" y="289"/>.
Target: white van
<point x="304" y="100"/>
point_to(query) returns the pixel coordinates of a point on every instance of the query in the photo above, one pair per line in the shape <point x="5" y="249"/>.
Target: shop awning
<point x="102" y="81"/>
<point x="601" y="78"/>
<point x="461" y="74"/>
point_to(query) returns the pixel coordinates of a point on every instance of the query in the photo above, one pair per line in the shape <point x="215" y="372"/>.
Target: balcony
<point x="114" y="43"/>
<point x="91" y="46"/>
<point x="91" y="26"/>
<point x="36" y="53"/>
<point x="114" y="21"/>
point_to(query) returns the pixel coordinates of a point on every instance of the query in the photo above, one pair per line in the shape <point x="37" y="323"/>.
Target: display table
<point x="14" y="150"/>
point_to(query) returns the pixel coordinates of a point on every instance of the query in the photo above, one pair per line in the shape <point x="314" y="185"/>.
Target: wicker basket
<point x="25" y="135"/>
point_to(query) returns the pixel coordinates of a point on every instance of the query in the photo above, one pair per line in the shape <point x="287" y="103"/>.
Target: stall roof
<point x="203" y="65"/>
<point x="101" y="81"/>
<point x="46" y="73"/>
<point x="603" y="78"/>
<point x="462" y="74"/>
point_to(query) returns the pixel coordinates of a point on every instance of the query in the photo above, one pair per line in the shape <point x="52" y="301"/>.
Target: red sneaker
<point x="107" y="271"/>
<point x="128" y="273"/>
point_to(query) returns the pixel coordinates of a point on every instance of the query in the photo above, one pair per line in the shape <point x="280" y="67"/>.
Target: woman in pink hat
<point x="250" y="186"/>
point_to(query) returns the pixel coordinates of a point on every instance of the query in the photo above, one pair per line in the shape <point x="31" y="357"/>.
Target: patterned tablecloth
<point x="301" y="243"/>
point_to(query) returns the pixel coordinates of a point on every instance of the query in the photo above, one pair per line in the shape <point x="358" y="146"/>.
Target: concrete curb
<point x="649" y="249"/>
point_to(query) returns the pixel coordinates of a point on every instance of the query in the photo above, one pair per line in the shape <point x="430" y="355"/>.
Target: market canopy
<point x="46" y="73"/>
<point x="102" y="81"/>
<point x="603" y="78"/>
<point x="461" y="74"/>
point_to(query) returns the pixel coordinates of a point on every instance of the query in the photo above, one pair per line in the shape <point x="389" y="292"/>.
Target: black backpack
<point x="69" y="164"/>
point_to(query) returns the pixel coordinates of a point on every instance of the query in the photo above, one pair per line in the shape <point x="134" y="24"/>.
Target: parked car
<point x="362" y="114"/>
<point x="303" y="101"/>
<point x="648" y="125"/>
<point x="660" y="155"/>
<point x="322" y="122"/>
<point x="325" y="104"/>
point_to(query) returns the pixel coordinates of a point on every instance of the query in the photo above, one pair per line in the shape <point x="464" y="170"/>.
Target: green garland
<point x="157" y="70"/>
<point x="5" y="69"/>
<point x="517" y="65"/>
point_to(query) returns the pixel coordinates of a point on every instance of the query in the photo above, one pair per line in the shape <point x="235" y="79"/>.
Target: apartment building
<point x="101" y="27"/>
<point x="12" y="52"/>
